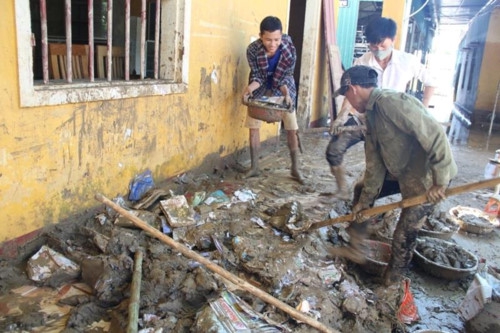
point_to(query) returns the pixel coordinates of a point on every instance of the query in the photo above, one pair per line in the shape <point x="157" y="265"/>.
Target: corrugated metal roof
<point x="455" y="12"/>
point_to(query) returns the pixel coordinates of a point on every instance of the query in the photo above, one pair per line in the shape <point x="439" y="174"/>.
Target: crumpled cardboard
<point x="47" y="263"/>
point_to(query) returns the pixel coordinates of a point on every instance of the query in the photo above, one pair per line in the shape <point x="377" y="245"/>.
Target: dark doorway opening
<point x="296" y="31"/>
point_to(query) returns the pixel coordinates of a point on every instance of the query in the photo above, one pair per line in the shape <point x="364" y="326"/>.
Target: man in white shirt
<point x="395" y="70"/>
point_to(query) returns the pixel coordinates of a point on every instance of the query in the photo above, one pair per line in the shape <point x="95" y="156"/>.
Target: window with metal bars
<point x="89" y="50"/>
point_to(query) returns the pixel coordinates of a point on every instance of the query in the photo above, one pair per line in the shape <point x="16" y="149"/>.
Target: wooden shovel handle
<point x="419" y="199"/>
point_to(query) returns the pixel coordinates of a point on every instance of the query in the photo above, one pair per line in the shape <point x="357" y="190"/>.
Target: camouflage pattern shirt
<point x="403" y="141"/>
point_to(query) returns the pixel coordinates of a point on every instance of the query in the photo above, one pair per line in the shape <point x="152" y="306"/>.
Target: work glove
<point x="357" y="212"/>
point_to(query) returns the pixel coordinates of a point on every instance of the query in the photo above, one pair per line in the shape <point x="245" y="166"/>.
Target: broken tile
<point x="178" y="212"/>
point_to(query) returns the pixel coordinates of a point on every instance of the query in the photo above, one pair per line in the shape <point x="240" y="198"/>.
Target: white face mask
<point x="382" y="54"/>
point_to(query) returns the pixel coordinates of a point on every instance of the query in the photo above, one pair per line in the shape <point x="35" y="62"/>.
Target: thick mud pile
<point x="256" y="229"/>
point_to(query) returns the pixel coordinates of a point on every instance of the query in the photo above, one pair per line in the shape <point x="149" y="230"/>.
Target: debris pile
<point x="83" y="278"/>
<point x="267" y="245"/>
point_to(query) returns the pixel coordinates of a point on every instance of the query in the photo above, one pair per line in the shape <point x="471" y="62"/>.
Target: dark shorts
<point x="340" y="143"/>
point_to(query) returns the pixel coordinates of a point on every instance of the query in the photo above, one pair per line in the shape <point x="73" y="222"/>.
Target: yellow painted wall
<point x="489" y="76"/>
<point x="395" y="9"/>
<point x="54" y="159"/>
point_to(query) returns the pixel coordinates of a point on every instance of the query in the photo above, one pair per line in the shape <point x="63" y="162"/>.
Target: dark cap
<point x="357" y="75"/>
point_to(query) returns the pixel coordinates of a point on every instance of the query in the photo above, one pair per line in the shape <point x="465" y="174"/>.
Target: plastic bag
<point x="493" y="206"/>
<point x="120" y="202"/>
<point x="478" y="294"/>
<point x="408" y="311"/>
<point x="140" y="185"/>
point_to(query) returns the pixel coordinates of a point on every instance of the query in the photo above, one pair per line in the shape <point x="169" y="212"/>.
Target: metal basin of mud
<point x="450" y="223"/>
<point x="437" y="234"/>
<point x="444" y="271"/>
<point x="377" y="257"/>
<point x="265" y="114"/>
<point x="459" y="213"/>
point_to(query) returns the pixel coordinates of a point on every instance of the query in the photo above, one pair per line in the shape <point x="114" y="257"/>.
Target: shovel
<point x="418" y="200"/>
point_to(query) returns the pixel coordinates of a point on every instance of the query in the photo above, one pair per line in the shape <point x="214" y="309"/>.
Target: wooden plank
<point x="336" y="72"/>
<point x="308" y="66"/>
<point x="333" y="53"/>
<point x="329" y="31"/>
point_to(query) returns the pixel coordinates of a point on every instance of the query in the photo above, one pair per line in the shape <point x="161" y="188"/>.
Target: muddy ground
<point x="246" y="238"/>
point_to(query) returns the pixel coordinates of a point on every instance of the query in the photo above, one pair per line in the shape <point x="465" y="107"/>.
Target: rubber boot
<point x="292" y="139"/>
<point x="254" y="153"/>
<point x="339" y="173"/>
<point x="295" y="168"/>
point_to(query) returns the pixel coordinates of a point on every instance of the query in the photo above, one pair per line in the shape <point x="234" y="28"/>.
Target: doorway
<point x="368" y="10"/>
<point x="296" y="31"/>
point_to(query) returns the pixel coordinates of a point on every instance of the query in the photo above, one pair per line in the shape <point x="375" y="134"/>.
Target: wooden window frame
<point x="173" y="66"/>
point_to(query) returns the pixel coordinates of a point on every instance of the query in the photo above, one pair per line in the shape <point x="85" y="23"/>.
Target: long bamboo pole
<point x="135" y="293"/>
<point x="215" y="268"/>
<point x="419" y="199"/>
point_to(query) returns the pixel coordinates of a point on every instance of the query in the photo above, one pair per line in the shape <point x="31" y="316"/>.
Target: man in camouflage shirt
<point x="406" y="152"/>
<point x="395" y="69"/>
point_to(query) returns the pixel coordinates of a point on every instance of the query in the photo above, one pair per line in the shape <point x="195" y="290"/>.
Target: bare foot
<point x="343" y="195"/>
<point x="297" y="176"/>
<point x="252" y="173"/>
<point x="328" y="199"/>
